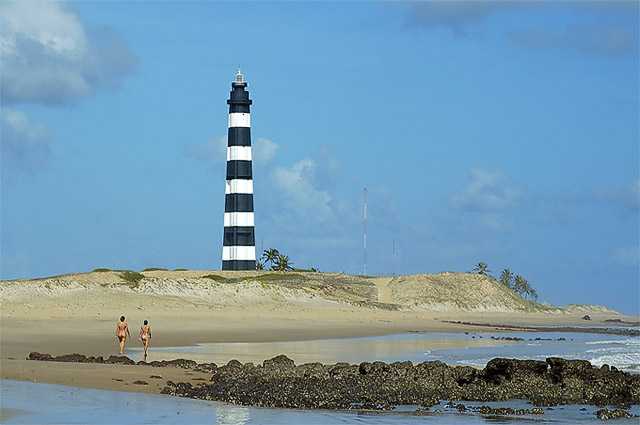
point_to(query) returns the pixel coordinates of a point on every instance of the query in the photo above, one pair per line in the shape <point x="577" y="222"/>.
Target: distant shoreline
<point x="574" y="329"/>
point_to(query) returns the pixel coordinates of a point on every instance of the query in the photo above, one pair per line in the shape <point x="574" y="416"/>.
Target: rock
<point x="606" y="414"/>
<point x="34" y="355"/>
<point x="119" y="360"/>
<point x="206" y="367"/>
<point x="586" y="317"/>
<point x="508" y="411"/>
<point x="507" y="338"/>
<point x="140" y="383"/>
<point x="278" y="382"/>
<point x="155" y="377"/>
<point x="278" y="362"/>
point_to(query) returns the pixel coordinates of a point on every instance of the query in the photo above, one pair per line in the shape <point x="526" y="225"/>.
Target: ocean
<point x="34" y="403"/>
<point x="27" y="403"/>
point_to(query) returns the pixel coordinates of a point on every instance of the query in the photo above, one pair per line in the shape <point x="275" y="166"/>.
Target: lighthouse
<point x="239" y="246"/>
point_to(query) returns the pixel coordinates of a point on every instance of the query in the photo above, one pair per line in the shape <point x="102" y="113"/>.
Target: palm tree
<point x="481" y="268"/>
<point x="282" y="264"/>
<point x="259" y="265"/>
<point x="506" y="278"/>
<point x="533" y="294"/>
<point x="520" y="285"/>
<point x="270" y="255"/>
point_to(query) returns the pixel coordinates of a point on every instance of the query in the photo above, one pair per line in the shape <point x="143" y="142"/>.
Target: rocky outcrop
<point x="606" y="414"/>
<point x="380" y="386"/>
<point x="278" y="382"/>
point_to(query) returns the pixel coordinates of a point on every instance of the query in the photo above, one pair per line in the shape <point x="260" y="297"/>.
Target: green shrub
<point x="220" y="279"/>
<point x="101" y="269"/>
<point x="155" y="269"/>
<point x="131" y="277"/>
<point x="277" y="276"/>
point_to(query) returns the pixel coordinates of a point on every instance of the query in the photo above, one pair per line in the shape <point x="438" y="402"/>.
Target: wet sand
<point x="239" y="335"/>
<point x="102" y="376"/>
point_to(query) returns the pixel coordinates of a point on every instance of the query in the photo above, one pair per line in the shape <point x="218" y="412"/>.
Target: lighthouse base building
<point x="239" y="246"/>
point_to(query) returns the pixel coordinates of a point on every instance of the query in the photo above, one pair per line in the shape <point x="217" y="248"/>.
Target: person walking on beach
<point x="122" y="331"/>
<point x="145" y="336"/>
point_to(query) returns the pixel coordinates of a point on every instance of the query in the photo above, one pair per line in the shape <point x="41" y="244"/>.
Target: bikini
<point x="144" y="333"/>
<point x="122" y="330"/>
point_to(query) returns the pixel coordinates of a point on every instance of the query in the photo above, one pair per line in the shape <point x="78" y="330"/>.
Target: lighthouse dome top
<point x="239" y="77"/>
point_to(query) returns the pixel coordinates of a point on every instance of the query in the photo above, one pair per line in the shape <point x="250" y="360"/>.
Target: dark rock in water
<point x="508" y="411"/>
<point x="606" y="414"/>
<point x="278" y="382"/>
<point x="586" y="317"/>
<point x="378" y="385"/>
<point x="507" y="338"/>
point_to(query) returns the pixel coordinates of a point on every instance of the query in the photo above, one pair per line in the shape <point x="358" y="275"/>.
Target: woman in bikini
<point x="145" y="336"/>
<point x="122" y="331"/>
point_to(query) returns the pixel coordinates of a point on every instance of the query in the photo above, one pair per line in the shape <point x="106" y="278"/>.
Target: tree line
<point x="515" y="282"/>
<point x="274" y="260"/>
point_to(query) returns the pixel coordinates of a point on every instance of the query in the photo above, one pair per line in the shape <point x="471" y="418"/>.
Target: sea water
<point x="30" y="403"/>
<point x="622" y="352"/>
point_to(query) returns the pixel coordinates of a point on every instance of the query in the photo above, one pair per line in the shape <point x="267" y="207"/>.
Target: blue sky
<point x="503" y="132"/>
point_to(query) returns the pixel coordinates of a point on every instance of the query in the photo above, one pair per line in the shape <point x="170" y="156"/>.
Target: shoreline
<point x="280" y="383"/>
<point x="533" y="329"/>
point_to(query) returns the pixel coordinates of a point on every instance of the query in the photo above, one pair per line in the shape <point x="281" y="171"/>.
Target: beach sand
<point x="78" y="314"/>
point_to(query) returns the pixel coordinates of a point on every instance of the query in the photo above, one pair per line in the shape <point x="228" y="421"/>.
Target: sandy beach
<point x="78" y="313"/>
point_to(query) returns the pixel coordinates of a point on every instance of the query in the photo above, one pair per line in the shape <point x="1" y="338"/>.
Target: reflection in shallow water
<point x="231" y="415"/>
<point x="56" y="404"/>
<point x="410" y="346"/>
<point x="452" y="348"/>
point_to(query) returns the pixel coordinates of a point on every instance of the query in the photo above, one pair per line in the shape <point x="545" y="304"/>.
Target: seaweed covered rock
<point x="606" y="414"/>
<point x="278" y="382"/>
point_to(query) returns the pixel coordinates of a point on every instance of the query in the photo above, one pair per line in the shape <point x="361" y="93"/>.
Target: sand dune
<point x="443" y="292"/>
<point x="78" y="312"/>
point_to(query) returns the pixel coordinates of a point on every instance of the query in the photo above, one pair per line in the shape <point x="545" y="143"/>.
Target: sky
<point x="502" y="132"/>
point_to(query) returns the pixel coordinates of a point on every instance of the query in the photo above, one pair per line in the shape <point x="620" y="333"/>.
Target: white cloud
<point x="627" y="196"/>
<point x="48" y="57"/>
<point x="618" y="35"/>
<point x="297" y="185"/>
<point x="628" y="256"/>
<point x="487" y="191"/>
<point x="264" y="150"/>
<point x="24" y="144"/>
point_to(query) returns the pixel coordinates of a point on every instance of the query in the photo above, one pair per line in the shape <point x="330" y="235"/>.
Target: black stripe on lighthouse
<point x="238" y="202"/>
<point x="239" y="169"/>
<point x="238" y="247"/>
<point x="239" y="136"/>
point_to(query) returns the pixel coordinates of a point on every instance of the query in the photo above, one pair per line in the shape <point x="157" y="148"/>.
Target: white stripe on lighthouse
<point x="238" y="219"/>
<point x="239" y="153"/>
<point x="239" y="119"/>
<point x="238" y="186"/>
<point x="238" y="253"/>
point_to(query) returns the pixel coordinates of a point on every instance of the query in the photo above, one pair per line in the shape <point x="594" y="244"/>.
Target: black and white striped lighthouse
<point x="239" y="247"/>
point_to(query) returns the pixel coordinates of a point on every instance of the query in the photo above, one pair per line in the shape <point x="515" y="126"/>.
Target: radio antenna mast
<point x="364" y="234"/>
